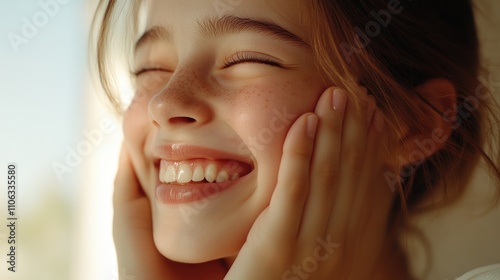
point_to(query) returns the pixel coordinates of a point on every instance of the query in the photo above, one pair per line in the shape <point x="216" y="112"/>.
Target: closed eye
<point x="141" y="71"/>
<point x="246" y="57"/>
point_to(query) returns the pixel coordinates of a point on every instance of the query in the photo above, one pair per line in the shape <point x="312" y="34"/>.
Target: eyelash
<point x="236" y="59"/>
<point x="249" y="58"/>
<point x="144" y="70"/>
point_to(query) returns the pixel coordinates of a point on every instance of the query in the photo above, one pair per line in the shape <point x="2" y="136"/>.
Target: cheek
<point x="135" y="122"/>
<point x="136" y="128"/>
<point x="264" y="113"/>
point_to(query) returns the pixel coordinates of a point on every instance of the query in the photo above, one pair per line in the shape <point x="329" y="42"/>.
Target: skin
<point x="236" y="103"/>
<point x="321" y="176"/>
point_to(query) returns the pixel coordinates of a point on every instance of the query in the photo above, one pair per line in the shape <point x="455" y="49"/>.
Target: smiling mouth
<point x="201" y="171"/>
<point x="187" y="181"/>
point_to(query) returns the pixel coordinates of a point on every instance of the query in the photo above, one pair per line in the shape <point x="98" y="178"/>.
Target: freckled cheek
<point x="263" y="114"/>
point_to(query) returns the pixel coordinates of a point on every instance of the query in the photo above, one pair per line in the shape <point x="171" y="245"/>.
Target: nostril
<point x="182" y="120"/>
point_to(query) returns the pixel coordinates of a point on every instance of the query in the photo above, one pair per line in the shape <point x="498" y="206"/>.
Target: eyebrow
<point x="216" y="27"/>
<point x="155" y="34"/>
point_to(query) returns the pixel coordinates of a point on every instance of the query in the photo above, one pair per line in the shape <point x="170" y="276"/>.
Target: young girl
<point x="289" y="139"/>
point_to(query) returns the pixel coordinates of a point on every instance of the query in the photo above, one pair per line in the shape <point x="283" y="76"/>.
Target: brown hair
<point x="390" y="47"/>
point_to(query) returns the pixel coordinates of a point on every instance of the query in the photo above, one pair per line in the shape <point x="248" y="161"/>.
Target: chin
<point x="192" y="249"/>
<point x="208" y="236"/>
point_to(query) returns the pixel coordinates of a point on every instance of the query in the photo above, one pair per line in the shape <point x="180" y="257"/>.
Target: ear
<point x="438" y="111"/>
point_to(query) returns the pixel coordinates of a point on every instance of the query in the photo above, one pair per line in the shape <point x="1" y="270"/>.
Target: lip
<point x="179" y="152"/>
<point x="192" y="192"/>
<point x="188" y="193"/>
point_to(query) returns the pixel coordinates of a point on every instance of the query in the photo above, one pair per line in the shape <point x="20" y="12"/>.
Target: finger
<point x="131" y="217"/>
<point x="352" y="155"/>
<point x="127" y="187"/>
<point x="371" y="195"/>
<point x="374" y="153"/>
<point x="287" y="201"/>
<point x="325" y="166"/>
<point x="367" y="193"/>
<point x="367" y="214"/>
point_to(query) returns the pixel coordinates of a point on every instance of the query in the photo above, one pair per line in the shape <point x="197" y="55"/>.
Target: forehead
<point x="185" y="15"/>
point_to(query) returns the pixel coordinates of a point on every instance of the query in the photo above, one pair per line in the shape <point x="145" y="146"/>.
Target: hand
<point x="138" y="258"/>
<point x="327" y="217"/>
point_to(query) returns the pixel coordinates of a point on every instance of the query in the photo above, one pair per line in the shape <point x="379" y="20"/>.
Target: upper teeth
<point x="183" y="172"/>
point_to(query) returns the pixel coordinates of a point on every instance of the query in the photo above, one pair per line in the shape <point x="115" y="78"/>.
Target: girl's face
<point x="219" y="84"/>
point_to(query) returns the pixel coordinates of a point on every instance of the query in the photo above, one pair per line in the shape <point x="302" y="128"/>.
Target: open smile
<point x="188" y="174"/>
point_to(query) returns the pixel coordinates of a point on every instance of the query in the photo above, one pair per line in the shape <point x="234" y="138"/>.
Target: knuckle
<point x="299" y="153"/>
<point x="330" y="178"/>
<point x="296" y="192"/>
<point x="355" y="162"/>
<point x="334" y="125"/>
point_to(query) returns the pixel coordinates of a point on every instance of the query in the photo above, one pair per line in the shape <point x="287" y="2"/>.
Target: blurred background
<point x="65" y="141"/>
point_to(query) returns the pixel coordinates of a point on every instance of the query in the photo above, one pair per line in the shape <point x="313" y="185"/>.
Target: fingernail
<point x="312" y="124"/>
<point x="338" y="100"/>
<point x="379" y="121"/>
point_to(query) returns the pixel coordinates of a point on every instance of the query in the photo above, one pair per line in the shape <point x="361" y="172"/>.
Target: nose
<point x="182" y="102"/>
